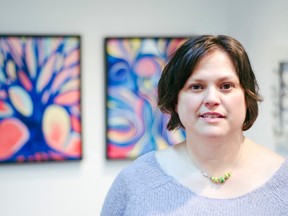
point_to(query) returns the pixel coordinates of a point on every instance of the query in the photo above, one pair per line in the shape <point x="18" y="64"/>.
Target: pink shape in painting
<point x="13" y="135"/>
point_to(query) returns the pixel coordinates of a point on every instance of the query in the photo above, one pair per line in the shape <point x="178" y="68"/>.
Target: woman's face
<point x="212" y="101"/>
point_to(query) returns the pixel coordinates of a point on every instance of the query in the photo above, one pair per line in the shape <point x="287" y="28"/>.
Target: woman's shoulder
<point x="281" y="175"/>
<point x="266" y="158"/>
<point x="145" y="161"/>
<point x="264" y="165"/>
<point x="277" y="186"/>
<point x="143" y="173"/>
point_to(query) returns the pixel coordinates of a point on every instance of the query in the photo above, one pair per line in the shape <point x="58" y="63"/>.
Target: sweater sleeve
<point x="117" y="198"/>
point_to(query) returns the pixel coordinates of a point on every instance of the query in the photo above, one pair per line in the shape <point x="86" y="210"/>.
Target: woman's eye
<point x="196" y="87"/>
<point x="226" y="86"/>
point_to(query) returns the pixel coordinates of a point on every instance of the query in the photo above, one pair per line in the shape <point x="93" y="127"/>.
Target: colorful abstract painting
<point x="40" y="116"/>
<point x="135" y="125"/>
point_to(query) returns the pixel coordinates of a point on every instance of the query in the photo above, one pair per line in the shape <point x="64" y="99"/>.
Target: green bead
<point x="222" y="179"/>
<point x="226" y="176"/>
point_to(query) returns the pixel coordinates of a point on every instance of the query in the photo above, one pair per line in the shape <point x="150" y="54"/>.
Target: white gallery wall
<point x="79" y="188"/>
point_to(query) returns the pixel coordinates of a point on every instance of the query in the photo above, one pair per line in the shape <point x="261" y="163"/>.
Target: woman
<point x="209" y="89"/>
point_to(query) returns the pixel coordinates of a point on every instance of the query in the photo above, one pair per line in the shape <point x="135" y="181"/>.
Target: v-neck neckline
<point x="174" y="181"/>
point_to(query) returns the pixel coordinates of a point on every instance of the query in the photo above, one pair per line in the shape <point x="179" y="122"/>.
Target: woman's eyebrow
<point x="224" y="78"/>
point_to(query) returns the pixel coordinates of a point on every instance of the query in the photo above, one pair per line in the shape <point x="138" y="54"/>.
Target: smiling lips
<point x="211" y="115"/>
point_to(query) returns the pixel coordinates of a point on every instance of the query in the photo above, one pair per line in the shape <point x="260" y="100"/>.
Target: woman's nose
<point x="211" y="97"/>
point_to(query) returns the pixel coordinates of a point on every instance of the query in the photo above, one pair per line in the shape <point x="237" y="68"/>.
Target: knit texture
<point x="144" y="189"/>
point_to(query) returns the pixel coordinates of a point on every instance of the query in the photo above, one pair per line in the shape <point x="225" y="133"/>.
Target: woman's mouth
<point x="211" y="115"/>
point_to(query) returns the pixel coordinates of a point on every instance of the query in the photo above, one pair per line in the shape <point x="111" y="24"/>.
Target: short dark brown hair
<point x="182" y="63"/>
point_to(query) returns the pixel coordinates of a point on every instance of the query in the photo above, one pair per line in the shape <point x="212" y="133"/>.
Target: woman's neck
<point x="216" y="155"/>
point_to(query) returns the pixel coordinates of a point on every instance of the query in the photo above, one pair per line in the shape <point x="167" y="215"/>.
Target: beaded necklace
<point x="218" y="180"/>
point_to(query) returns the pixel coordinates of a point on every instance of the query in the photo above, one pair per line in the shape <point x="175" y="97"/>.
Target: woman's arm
<point x="117" y="198"/>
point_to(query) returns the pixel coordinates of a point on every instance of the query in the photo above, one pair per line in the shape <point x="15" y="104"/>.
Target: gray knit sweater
<point x="144" y="189"/>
